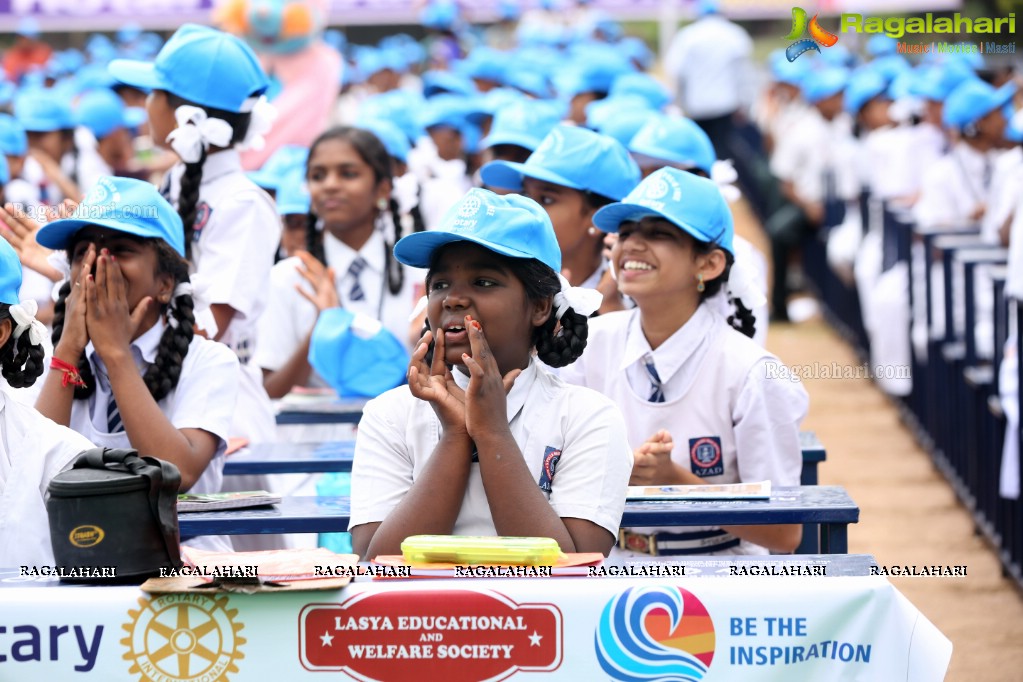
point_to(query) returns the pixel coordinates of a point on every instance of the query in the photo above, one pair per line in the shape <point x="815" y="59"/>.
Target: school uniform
<point x="33" y="450"/>
<point x="237" y="232"/>
<point x="953" y="188"/>
<point x="91" y="166"/>
<point x="1008" y="376"/>
<point x="572" y="439"/>
<point x="733" y="410"/>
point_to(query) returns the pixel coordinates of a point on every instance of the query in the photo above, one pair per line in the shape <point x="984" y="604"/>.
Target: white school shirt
<point x="814" y="148"/>
<point x="720" y="387"/>
<point x="1006" y="186"/>
<point x="203" y="399"/>
<point x="33" y="450"/>
<point x="291" y="316"/>
<point x="1014" y="276"/>
<point x="577" y="432"/>
<point x="91" y="166"/>
<point x="953" y="188"/>
<point x="709" y="64"/>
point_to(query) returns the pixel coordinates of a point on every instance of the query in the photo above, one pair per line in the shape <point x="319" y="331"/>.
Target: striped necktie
<point x="356" y="293"/>
<point x="114" y="422"/>
<point x="657" y="389"/>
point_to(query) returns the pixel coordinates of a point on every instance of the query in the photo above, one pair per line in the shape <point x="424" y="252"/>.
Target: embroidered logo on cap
<point x="705" y="456"/>
<point x="100" y="199"/>
<point x="551" y="457"/>
<point x="469" y="207"/>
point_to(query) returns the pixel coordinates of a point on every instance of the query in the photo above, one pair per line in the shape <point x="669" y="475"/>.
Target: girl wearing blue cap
<point x="105" y="136"/>
<point x="33" y="449"/>
<point x="571" y="174"/>
<point x="483" y="440"/>
<point x="127" y="368"/>
<point x="52" y="162"/>
<point x="350" y="232"/>
<point x="207" y="101"/>
<point x="702" y="402"/>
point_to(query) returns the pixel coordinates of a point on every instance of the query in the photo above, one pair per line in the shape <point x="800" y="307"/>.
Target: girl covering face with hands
<point x="483" y="440"/>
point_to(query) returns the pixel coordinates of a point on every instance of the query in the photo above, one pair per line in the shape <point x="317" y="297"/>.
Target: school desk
<point x="334" y="456"/>
<point x="320" y="410"/>
<point x="828" y="506"/>
<point x="753" y="628"/>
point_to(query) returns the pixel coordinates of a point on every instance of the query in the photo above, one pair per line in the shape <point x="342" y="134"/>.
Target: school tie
<point x="165" y="187"/>
<point x="657" y="389"/>
<point x="357" y="266"/>
<point x="114" y="423"/>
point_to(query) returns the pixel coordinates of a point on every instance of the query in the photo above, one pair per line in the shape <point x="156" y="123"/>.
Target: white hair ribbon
<point x="420" y="307"/>
<point x="724" y="176"/>
<point x="742" y="286"/>
<point x="583" y="301"/>
<point x="24" y="315"/>
<point x="196" y="132"/>
<point x="262" y="120"/>
<point x="197" y="289"/>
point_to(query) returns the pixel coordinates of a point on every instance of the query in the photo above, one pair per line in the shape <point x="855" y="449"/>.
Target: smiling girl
<point x="703" y="403"/>
<point x="483" y="440"/>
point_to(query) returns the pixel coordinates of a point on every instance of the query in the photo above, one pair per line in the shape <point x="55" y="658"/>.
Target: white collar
<point x="516" y="398"/>
<point x="676" y="350"/>
<point x="144" y="347"/>
<point x="340" y="256"/>
<point x="220" y="164"/>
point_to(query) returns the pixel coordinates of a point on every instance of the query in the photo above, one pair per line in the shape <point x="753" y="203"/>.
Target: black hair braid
<point x="188" y="199"/>
<point x="84" y="368"/>
<point x="21" y="361"/>
<point x="395" y="273"/>
<point x="74" y="160"/>
<point x="314" y="239"/>
<point x="418" y="224"/>
<point x="743" y="320"/>
<point x="163" y="375"/>
<point x="564" y="347"/>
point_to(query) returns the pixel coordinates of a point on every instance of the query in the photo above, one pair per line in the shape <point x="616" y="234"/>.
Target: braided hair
<point x="375" y="155"/>
<point x="188" y="198"/>
<point x="163" y="375"/>
<point x="21" y="361"/>
<point x="743" y="320"/>
<point x="555" y="346"/>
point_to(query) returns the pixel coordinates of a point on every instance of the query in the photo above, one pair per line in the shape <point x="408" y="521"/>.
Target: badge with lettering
<point x="551" y="457"/>
<point x="705" y="456"/>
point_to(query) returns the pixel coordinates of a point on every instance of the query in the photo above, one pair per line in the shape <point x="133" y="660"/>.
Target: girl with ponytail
<point x="207" y="102"/>
<point x="484" y="440"/>
<point x="703" y="402"/>
<point x="32" y="448"/>
<point x="127" y="368"/>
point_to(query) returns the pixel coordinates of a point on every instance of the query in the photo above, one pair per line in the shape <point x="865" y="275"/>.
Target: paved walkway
<point x="909" y="514"/>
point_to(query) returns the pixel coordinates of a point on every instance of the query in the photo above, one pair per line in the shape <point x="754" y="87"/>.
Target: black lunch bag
<point x="114" y="510"/>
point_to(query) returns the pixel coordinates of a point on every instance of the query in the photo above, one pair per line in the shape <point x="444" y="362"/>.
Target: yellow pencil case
<point x="464" y="549"/>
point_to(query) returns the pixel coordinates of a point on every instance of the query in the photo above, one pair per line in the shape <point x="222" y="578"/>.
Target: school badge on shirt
<point x="705" y="456"/>
<point x="203" y="213"/>
<point x="551" y="457"/>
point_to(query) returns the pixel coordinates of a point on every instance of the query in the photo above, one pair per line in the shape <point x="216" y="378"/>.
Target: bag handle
<point x="164" y="482"/>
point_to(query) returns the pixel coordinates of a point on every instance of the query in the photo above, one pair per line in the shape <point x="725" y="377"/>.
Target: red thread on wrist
<point x="71" y="374"/>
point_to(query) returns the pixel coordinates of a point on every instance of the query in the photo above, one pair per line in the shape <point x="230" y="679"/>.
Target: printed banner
<point x="748" y="628"/>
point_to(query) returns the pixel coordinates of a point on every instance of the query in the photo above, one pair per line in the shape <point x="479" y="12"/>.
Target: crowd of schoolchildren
<point x="535" y="268"/>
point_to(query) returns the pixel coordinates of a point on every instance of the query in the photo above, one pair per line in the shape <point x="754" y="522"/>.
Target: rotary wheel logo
<point x="470" y="207"/>
<point x="180" y="637"/>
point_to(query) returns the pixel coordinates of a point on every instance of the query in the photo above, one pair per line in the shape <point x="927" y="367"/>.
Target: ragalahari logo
<point x="655" y="633"/>
<point x="818" y="36"/>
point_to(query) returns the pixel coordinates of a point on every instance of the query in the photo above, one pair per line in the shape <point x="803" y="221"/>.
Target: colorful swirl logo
<point x="655" y="633"/>
<point x="818" y="36"/>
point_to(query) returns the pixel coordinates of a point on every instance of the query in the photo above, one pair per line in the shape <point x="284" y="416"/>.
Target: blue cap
<point x="128" y="33"/>
<point x="510" y="225"/>
<point x="676" y="140"/>
<point x="625" y="126"/>
<point x="572" y="157"/>
<point x="439" y="15"/>
<point x="13" y="139"/>
<point x="103" y="112"/>
<point x="523" y="124"/>
<point x="937" y="81"/>
<point x="10" y="274"/>
<point x="880" y="45"/>
<point x="890" y="66"/>
<point x="39" y="111"/>
<point x="691" y="203"/>
<point x="100" y="48"/>
<point x="5" y="170"/>
<point x="822" y="84"/>
<point x="643" y="86"/>
<point x="124" y="205"/>
<point x="356" y="355"/>
<point x="7" y="92"/>
<point x="485" y="63"/>
<point x="1014" y="129"/>
<point x="446" y="110"/>
<point x="637" y="50"/>
<point x="401" y="107"/>
<point x="972" y="100"/>
<point x="286" y="159"/>
<point x="864" y="85"/>
<point x="441" y="82"/>
<point x="201" y="65"/>
<point x="29" y="28"/>
<point x="530" y="82"/>
<point x="93" y="76"/>
<point x="496" y="99"/>
<point x="336" y="39"/>
<point x="392" y="137"/>
<point x="293" y="195"/>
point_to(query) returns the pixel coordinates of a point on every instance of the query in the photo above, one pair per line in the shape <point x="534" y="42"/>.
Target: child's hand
<point x="486" y="410"/>
<point x="652" y="463"/>
<point x="111" y="324"/>
<point x="436" y="385"/>
<point x="20" y="230"/>
<point x="75" y="335"/>
<point x="321" y="278"/>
